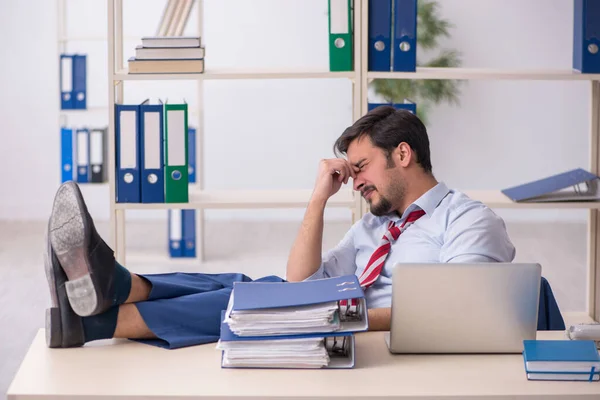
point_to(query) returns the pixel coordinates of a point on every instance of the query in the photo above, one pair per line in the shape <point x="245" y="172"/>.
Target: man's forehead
<point x="359" y="149"/>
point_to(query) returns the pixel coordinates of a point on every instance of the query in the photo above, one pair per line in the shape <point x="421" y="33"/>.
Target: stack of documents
<point x="306" y="324"/>
<point x="561" y="360"/>
<point x="295" y="351"/>
<point x="286" y="321"/>
<point x="168" y="54"/>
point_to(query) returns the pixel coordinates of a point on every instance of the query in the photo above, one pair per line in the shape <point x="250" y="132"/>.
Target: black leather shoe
<point x="86" y="259"/>
<point x="64" y="328"/>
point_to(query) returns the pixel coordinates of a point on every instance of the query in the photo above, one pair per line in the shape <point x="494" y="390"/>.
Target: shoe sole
<point x="69" y="235"/>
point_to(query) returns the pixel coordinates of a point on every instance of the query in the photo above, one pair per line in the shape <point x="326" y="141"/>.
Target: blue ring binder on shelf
<point x="575" y="185"/>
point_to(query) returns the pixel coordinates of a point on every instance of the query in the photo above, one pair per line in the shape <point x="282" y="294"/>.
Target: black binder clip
<point x="350" y="310"/>
<point x="337" y="346"/>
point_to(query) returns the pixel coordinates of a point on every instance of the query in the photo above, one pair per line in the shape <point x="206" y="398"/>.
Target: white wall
<point x="254" y="128"/>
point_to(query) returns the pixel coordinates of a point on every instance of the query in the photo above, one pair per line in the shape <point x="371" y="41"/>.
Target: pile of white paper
<point x="283" y="353"/>
<point x="285" y="320"/>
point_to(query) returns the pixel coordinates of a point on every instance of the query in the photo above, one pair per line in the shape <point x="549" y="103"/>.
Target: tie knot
<point x="393" y="231"/>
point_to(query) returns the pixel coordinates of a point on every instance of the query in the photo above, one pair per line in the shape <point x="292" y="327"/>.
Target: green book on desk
<point x="561" y="360"/>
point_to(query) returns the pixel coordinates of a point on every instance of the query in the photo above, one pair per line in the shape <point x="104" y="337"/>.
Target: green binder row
<point x="340" y="35"/>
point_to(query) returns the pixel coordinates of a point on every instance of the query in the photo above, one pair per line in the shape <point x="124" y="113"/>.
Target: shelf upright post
<point x="115" y="95"/>
<point x="593" y="290"/>
<point x="200" y="222"/>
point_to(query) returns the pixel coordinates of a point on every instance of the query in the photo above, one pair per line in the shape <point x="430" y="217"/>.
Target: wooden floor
<point x="261" y="249"/>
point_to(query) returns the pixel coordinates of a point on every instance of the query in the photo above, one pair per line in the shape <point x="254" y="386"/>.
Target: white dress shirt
<point x="455" y="228"/>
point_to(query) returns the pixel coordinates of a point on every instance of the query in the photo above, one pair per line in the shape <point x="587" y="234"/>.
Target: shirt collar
<point x="429" y="200"/>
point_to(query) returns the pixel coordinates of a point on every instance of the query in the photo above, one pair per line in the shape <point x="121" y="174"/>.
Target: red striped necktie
<point x="377" y="260"/>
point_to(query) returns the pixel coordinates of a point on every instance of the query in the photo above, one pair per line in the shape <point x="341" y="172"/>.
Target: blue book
<point x="574" y="185"/>
<point x="561" y="360"/>
<point x="341" y="297"/>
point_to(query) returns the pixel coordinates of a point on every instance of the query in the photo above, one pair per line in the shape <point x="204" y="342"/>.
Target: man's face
<point x="378" y="179"/>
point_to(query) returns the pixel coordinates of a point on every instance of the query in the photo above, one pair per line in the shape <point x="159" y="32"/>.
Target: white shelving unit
<point x="199" y="198"/>
<point x="203" y="199"/>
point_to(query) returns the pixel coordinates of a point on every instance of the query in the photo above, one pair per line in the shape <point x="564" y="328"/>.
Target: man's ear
<point x="403" y="154"/>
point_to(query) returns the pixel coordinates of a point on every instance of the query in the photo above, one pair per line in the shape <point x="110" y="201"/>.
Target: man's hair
<point x="387" y="127"/>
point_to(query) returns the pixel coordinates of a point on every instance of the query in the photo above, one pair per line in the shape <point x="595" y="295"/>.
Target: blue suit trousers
<point x="184" y="309"/>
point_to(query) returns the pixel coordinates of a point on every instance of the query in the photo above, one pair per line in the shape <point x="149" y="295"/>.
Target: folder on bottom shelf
<point x="287" y="308"/>
<point x="175" y="233"/>
<point x="574" y="185"/>
<point x="176" y="160"/>
<point x="98" y="153"/>
<point x="331" y="350"/>
<point x="188" y="240"/>
<point x="83" y="155"/>
<point x="66" y="144"/>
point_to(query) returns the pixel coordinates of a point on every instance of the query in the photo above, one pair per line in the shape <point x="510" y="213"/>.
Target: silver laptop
<point x="463" y="308"/>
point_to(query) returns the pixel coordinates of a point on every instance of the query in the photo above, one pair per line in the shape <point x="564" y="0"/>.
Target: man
<point x="412" y="218"/>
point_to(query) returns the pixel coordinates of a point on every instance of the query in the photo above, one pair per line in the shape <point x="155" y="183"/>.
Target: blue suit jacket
<point x="549" y="317"/>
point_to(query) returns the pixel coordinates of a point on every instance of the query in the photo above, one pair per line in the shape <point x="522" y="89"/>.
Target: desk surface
<point x="122" y="369"/>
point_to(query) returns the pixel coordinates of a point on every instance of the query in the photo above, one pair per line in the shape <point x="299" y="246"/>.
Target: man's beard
<point x="384" y="205"/>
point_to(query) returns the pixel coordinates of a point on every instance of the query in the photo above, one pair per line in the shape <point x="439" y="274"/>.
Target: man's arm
<point x="380" y="319"/>
<point x="476" y="234"/>
<point x="305" y="256"/>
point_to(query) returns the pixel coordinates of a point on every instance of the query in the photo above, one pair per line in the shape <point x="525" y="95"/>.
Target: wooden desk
<point x="122" y="369"/>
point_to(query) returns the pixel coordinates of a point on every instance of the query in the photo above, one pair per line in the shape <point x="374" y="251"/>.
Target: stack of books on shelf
<point x="168" y="55"/>
<point x="561" y="360"/>
<point x="307" y="324"/>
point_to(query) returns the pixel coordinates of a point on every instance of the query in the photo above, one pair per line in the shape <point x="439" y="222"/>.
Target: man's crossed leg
<point x="94" y="297"/>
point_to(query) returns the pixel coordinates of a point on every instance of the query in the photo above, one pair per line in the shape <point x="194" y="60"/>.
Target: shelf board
<point x="576" y="317"/>
<point x="244" y="199"/>
<point x="485" y="74"/>
<point x="122" y="75"/>
<point x="496" y="199"/>
<point x="84" y="110"/>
